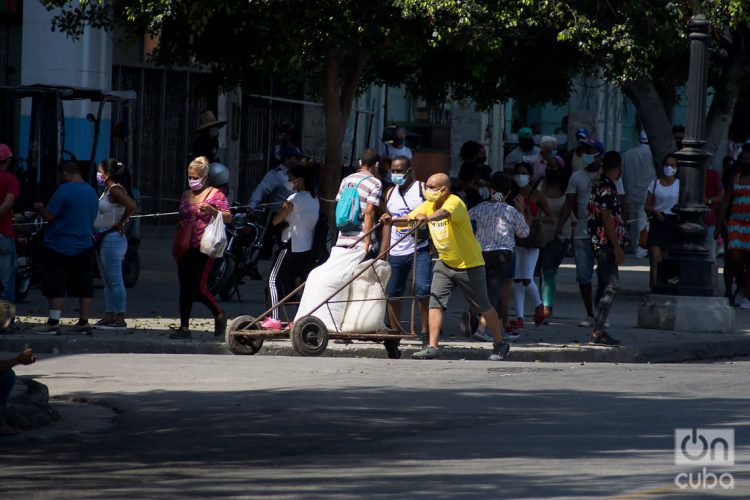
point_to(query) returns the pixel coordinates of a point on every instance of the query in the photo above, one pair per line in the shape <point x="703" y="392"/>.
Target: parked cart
<point x="311" y="330"/>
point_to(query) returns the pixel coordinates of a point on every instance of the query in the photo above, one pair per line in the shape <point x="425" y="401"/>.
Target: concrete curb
<point x="668" y="351"/>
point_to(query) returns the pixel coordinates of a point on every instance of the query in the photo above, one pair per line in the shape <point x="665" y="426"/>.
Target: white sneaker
<point x="744" y="303"/>
<point x="588" y="322"/>
<point x="641" y="253"/>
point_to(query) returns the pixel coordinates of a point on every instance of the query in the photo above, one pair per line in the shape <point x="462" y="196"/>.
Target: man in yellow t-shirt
<point x="461" y="264"/>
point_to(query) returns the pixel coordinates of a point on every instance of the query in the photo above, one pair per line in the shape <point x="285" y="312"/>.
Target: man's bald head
<point x="439" y="180"/>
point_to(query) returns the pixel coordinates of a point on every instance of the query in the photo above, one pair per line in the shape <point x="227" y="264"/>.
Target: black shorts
<point x="661" y="232"/>
<point x="67" y="273"/>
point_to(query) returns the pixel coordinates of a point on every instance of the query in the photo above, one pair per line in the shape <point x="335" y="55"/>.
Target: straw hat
<point x="208" y="120"/>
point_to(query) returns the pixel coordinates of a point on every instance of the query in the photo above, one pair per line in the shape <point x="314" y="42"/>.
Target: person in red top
<point x="714" y="194"/>
<point x="8" y="196"/>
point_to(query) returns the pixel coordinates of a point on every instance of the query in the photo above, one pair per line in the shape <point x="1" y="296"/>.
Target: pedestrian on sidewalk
<point x="399" y="202"/>
<point x="607" y="233"/>
<point x="369" y="189"/>
<point x="735" y="214"/>
<point x="67" y="252"/>
<point x="7" y="381"/>
<point x="8" y="196"/>
<point x="198" y="206"/>
<point x="460" y="263"/>
<point x="497" y="224"/>
<point x="663" y="194"/>
<point x="576" y="199"/>
<point x="638" y="174"/>
<point x="299" y="214"/>
<point x="115" y="208"/>
<point x="527" y="249"/>
<point x="553" y="187"/>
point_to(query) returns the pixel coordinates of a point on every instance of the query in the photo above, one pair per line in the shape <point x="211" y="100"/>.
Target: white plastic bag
<point x="214" y="239"/>
<point x="323" y="281"/>
<point x="366" y="310"/>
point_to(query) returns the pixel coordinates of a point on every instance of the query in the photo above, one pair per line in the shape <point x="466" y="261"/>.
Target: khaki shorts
<point x="470" y="281"/>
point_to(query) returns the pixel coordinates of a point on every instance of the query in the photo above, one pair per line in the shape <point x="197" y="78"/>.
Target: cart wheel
<point x="309" y="336"/>
<point x="240" y="344"/>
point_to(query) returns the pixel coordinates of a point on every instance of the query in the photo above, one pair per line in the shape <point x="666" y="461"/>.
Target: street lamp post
<point x="687" y="270"/>
<point x="682" y="297"/>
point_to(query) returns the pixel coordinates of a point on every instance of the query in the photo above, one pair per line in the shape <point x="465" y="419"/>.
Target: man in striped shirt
<point x="369" y="189"/>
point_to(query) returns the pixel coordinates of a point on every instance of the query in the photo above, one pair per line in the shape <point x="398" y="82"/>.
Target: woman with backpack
<point x="300" y="215"/>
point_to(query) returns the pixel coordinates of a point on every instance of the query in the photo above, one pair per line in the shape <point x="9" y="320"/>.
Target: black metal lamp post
<point x="687" y="270"/>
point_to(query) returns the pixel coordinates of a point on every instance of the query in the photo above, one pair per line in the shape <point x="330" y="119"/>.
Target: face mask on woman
<point x="522" y="180"/>
<point x="289" y="185"/>
<point x="100" y="178"/>
<point x="669" y="170"/>
<point x="432" y="195"/>
<point x="497" y="196"/>
<point x="196" y="184"/>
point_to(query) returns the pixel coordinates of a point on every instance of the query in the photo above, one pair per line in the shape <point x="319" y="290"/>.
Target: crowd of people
<point x="496" y="236"/>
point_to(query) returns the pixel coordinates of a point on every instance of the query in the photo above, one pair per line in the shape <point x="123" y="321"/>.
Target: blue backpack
<point x="348" y="212"/>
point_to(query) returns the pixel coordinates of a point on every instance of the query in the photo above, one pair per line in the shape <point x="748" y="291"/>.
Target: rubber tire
<point x="222" y="271"/>
<point x="300" y="332"/>
<point x="131" y="267"/>
<point x="246" y="346"/>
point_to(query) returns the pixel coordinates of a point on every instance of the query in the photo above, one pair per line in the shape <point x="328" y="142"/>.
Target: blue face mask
<point x="553" y="153"/>
<point x="398" y="179"/>
<point x="588" y="159"/>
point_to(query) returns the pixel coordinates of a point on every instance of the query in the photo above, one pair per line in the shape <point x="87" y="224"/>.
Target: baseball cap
<point x="582" y="133"/>
<point x="291" y="151"/>
<point x="5" y="152"/>
<point x="593" y="143"/>
<point x="525" y="132"/>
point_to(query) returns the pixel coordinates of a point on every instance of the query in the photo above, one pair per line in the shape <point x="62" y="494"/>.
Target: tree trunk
<point x="653" y="115"/>
<point x="339" y="90"/>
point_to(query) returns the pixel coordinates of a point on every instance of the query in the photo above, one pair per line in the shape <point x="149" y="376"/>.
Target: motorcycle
<point x="29" y="230"/>
<point x="244" y="241"/>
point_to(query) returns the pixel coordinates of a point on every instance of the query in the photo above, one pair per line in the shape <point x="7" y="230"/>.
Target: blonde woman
<point x="198" y="206"/>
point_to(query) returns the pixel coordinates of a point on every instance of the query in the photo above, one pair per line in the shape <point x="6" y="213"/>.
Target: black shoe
<point x="499" y="351"/>
<point x="603" y="339"/>
<point x="181" y="333"/>
<point x="220" y="326"/>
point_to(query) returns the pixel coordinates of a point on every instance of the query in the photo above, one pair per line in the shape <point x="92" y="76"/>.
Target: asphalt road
<point x="204" y="426"/>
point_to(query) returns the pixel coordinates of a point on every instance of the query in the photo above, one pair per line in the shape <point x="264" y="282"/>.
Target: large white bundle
<point x="367" y="315"/>
<point x="324" y="280"/>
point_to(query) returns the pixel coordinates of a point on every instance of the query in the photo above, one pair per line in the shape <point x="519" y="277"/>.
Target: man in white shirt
<point x="396" y="146"/>
<point x="637" y="174"/>
<point x="400" y="201"/>
<point x="524" y="153"/>
<point x="576" y="199"/>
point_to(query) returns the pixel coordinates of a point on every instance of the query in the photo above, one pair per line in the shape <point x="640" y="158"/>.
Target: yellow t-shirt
<point x="453" y="237"/>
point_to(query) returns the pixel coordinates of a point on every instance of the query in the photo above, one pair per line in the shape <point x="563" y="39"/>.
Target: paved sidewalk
<point x="152" y="310"/>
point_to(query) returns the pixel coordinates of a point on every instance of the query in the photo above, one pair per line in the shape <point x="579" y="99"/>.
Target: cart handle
<point x="349" y="282"/>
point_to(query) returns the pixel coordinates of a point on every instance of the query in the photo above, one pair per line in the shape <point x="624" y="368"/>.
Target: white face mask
<point x="522" y="180"/>
<point x="289" y="185"/>
<point x="669" y="170"/>
<point x="498" y="196"/>
<point x="484" y="192"/>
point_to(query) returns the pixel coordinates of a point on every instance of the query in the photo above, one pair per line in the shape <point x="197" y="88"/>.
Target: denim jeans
<point x="7" y="379"/>
<point x="7" y="268"/>
<point x="401" y="266"/>
<point x="111" y="254"/>
<point x="607" y="287"/>
<point x="552" y="256"/>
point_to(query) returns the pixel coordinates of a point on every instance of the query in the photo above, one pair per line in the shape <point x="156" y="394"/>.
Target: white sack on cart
<point x="367" y="315"/>
<point x="326" y="279"/>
